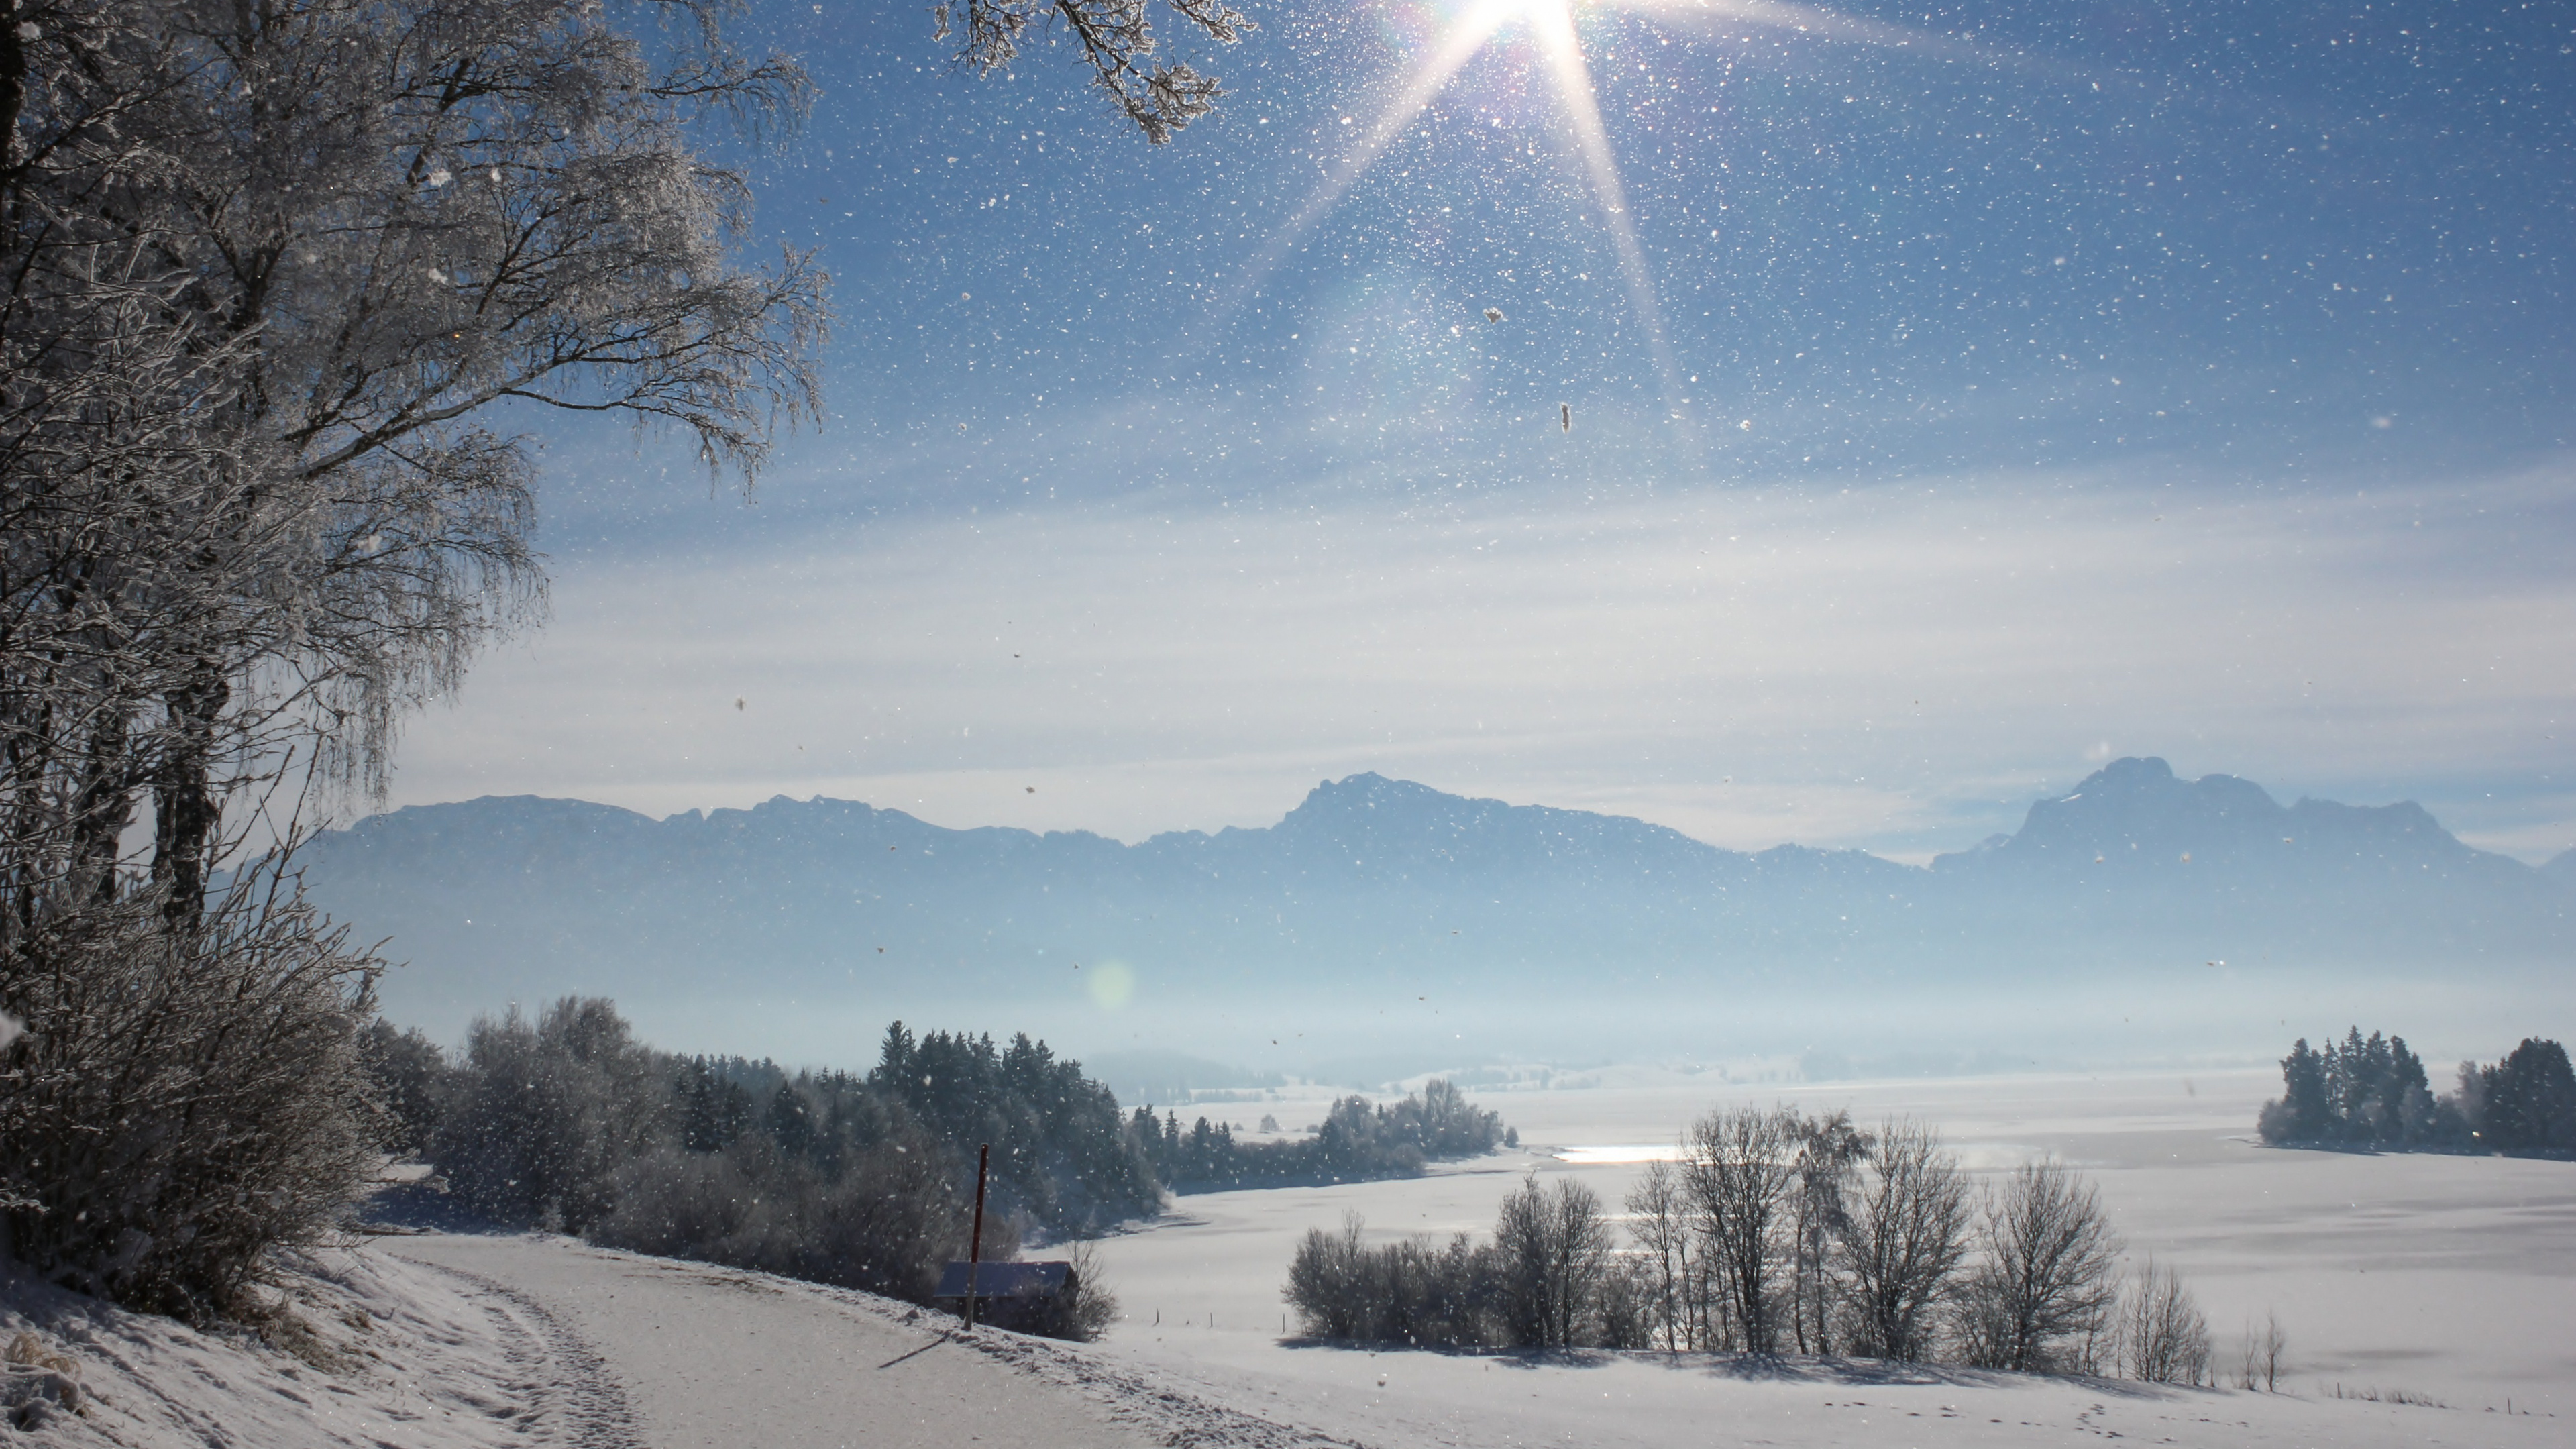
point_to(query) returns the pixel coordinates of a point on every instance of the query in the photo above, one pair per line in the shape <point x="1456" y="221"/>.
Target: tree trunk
<point x="102" y="810"/>
<point x="187" y="814"/>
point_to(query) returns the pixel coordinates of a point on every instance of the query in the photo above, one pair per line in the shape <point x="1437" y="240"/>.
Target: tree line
<point x="1356" y="1142"/>
<point x="1777" y="1232"/>
<point x="2376" y="1094"/>
<point x="563" y="1121"/>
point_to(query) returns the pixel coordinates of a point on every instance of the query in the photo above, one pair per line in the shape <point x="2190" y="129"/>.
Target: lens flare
<point x="1110" y="984"/>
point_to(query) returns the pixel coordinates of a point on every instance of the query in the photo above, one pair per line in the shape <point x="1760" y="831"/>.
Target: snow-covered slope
<point x="364" y="1350"/>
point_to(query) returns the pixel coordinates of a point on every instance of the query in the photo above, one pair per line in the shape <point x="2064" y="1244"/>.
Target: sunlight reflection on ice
<point x="1613" y="1153"/>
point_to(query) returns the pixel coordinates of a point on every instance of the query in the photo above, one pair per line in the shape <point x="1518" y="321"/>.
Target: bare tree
<point x="1908" y="1232"/>
<point x="2265" y="1349"/>
<point x="2047" y="1272"/>
<point x="2163" y="1337"/>
<point x="1659" y="1208"/>
<point x="1742" y="1174"/>
<point x="1118" y="42"/>
<point x="1552" y="1248"/>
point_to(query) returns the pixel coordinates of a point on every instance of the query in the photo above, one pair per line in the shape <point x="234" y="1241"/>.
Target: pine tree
<point x="2530" y="1100"/>
<point x="2305" y="1111"/>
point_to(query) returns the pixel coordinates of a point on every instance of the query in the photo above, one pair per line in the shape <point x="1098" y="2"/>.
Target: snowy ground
<point x="2442" y="1278"/>
<point x="468" y="1341"/>
<point x="393" y="1355"/>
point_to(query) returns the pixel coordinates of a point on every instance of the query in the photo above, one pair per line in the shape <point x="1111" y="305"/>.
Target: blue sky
<point x="1961" y="395"/>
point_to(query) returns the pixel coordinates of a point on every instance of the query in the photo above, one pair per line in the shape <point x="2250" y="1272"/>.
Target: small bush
<point x="1412" y="1291"/>
<point x="182" y="1101"/>
<point x="1548" y="1280"/>
<point x="2163" y="1339"/>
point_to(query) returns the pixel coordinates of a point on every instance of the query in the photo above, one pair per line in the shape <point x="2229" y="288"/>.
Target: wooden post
<point x="975" y="1243"/>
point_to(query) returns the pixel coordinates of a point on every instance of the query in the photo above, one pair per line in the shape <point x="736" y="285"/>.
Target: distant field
<point x="2447" y="1277"/>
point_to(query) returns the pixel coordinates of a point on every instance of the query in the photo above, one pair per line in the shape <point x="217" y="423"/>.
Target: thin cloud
<point x="1899" y="669"/>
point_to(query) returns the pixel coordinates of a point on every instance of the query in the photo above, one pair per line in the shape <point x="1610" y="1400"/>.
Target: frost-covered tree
<point x="1830" y="1149"/>
<point x="284" y="283"/>
<point x="1117" y="40"/>
<point x="1552" y="1255"/>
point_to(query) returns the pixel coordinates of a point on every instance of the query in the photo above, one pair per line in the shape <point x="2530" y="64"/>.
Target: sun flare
<point x="1551" y="28"/>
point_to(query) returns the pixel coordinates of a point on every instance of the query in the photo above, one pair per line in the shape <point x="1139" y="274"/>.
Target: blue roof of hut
<point x="1007" y="1280"/>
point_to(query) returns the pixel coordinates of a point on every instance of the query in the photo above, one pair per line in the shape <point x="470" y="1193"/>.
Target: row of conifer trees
<point x="1357" y="1141"/>
<point x="2376" y="1093"/>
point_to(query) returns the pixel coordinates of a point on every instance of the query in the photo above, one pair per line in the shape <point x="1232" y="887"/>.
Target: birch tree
<point x="286" y="283"/>
<point x="1116" y="40"/>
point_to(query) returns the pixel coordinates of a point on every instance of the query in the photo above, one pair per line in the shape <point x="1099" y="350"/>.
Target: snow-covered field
<point x="2443" y="1279"/>
<point x="2446" y="1278"/>
<point x="391" y="1354"/>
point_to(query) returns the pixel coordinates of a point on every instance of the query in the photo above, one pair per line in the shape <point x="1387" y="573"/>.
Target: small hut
<point x="1022" y="1297"/>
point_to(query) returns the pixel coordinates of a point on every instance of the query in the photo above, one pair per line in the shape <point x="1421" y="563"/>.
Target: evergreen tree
<point x="2530" y="1101"/>
<point x="2305" y="1111"/>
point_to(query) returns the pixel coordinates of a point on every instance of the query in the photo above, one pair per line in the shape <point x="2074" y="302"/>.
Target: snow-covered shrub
<point x="1623" y="1309"/>
<point x="1411" y="1291"/>
<point x="409" y="1075"/>
<point x="1547" y="1280"/>
<point x="547" y="1113"/>
<point x="181" y="1102"/>
<point x="885" y="1223"/>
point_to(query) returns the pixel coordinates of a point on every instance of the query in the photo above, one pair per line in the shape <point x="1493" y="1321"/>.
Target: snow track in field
<point x="561" y="1389"/>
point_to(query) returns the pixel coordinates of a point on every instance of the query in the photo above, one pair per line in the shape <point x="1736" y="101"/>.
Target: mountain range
<point x="1378" y="888"/>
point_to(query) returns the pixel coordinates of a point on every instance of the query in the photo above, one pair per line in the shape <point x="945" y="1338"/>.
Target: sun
<point x="1550" y="26"/>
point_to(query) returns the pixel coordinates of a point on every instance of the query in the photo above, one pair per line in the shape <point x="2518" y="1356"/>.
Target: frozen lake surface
<point x="2452" y="1278"/>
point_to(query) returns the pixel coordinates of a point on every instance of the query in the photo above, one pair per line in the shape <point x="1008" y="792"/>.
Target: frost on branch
<point x="275" y="276"/>
<point x="1117" y="39"/>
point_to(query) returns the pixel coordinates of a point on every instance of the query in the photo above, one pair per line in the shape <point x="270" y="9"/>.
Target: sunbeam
<point x="1550" y="24"/>
<point x="1552" y="21"/>
<point x="1466" y="36"/>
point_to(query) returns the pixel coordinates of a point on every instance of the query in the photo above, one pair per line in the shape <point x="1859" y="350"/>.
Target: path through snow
<point x="674" y="1355"/>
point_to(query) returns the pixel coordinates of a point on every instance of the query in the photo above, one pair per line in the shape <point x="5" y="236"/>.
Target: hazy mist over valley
<point x="1384" y="929"/>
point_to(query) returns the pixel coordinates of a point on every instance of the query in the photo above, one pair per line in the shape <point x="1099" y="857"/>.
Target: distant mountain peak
<point x="2136" y="813"/>
<point x="2133" y="772"/>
